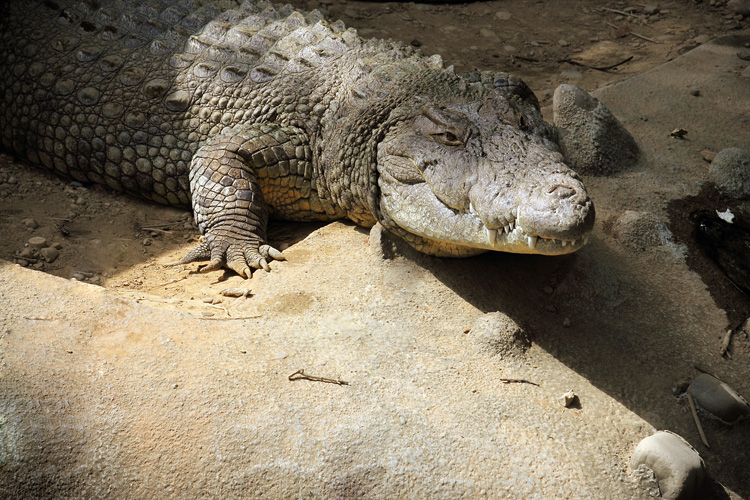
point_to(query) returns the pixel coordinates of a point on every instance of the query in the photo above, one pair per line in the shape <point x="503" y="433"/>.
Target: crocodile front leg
<point x="228" y="202"/>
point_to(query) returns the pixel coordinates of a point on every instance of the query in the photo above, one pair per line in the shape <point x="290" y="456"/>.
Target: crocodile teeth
<point x="586" y="239"/>
<point x="491" y="236"/>
<point x="531" y="240"/>
<point x="507" y="229"/>
<point x="564" y="242"/>
<point x="471" y="208"/>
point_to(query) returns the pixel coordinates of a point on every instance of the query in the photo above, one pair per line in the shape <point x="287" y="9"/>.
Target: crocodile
<point x="245" y="111"/>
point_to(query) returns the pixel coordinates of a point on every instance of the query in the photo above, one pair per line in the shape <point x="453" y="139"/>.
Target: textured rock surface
<point x="730" y="171"/>
<point x="677" y="466"/>
<point x="498" y="335"/>
<point x="592" y="139"/>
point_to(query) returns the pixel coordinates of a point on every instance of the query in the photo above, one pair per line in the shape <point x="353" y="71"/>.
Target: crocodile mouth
<point x="520" y="238"/>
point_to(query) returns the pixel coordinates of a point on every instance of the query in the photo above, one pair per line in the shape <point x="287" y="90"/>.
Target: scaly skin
<point x="254" y="111"/>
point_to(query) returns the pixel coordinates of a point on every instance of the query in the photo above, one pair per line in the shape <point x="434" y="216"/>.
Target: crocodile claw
<point x="241" y="257"/>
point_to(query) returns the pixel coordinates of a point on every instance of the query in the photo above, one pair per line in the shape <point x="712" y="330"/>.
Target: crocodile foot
<point x="239" y="256"/>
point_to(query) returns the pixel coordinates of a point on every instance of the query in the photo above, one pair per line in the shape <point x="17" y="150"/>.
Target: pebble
<point x="509" y="48"/>
<point x="701" y="39"/>
<point x="678" y="468"/>
<point x="37" y="242"/>
<point x="12" y="180"/>
<point x="146" y="242"/>
<point x="503" y="15"/>
<point x="30" y="223"/>
<point x="563" y="43"/>
<point x="80" y="201"/>
<point x="651" y="9"/>
<point x="568" y="398"/>
<point x="718" y="399"/>
<point x="49" y="254"/>
<point x="695" y="92"/>
<point x="207" y="300"/>
<point x="744" y="54"/>
<point x="566" y="322"/>
<point x="571" y="74"/>
<point x="27" y="253"/>
<point x="497" y="335"/>
<point x="730" y="171"/>
<point x="235" y="292"/>
<point x="79" y="276"/>
<point x="708" y="155"/>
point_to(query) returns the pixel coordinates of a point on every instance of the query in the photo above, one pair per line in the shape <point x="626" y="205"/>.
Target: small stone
<point x="27" y="253"/>
<point x="719" y="399"/>
<point x="678" y="133"/>
<point x="571" y="74"/>
<point x="509" y="48"/>
<point x="497" y="335"/>
<point x="701" y="39"/>
<point x="80" y="201"/>
<point x="677" y="467"/>
<point x="79" y="277"/>
<point x="208" y="314"/>
<point x="49" y="254"/>
<point x="566" y="322"/>
<point x="730" y="171"/>
<point x="503" y="15"/>
<point x="744" y="54"/>
<point x="12" y="180"/>
<point x="593" y="140"/>
<point x="650" y="10"/>
<point x="416" y="43"/>
<point x="695" y="92"/>
<point x="37" y="242"/>
<point x="235" y="292"/>
<point x="207" y="300"/>
<point x="146" y="242"/>
<point x="708" y="155"/>
<point x="30" y="223"/>
<point x="535" y="43"/>
<point x="568" y="398"/>
<point x="563" y="43"/>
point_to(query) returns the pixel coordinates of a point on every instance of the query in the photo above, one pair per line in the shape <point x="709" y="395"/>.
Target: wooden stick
<point x="697" y="420"/>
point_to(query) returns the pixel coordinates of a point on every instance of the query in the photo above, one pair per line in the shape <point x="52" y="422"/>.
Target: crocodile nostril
<point x="561" y="191"/>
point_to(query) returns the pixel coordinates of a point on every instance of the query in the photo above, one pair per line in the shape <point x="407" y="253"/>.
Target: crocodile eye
<point x="449" y="139"/>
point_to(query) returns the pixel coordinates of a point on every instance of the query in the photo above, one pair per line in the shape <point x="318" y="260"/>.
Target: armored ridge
<point x="251" y="110"/>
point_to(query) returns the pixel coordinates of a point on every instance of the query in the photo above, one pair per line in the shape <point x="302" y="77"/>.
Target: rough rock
<point x="730" y="171"/>
<point x="498" y="335"/>
<point x="592" y="139"/>
<point x="740" y="6"/>
<point x="677" y="466"/>
<point x="718" y="399"/>
<point x="641" y="231"/>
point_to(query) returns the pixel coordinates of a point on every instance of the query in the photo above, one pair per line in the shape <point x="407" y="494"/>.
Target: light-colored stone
<point x="730" y="171"/>
<point x="592" y="139"/>
<point x="677" y="466"/>
<point x="718" y="399"/>
<point x="498" y="335"/>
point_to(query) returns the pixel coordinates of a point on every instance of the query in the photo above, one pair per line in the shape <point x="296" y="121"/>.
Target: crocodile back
<point x="123" y="93"/>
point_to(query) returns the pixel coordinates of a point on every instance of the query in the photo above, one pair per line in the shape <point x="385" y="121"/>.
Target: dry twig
<point x="301" y="375"/>
<point x="697" y="420"/>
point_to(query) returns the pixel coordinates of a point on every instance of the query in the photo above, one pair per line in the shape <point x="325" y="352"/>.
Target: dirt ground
<point x="649" y="315"/>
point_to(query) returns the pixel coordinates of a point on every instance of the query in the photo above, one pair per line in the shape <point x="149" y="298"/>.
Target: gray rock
<point x="677" y="467"/>
<point x="718" y="399"/>
<point x="730" y="171"/>
<point x="498" y="335"/>
<point x="640" y="231"/>
<point x="49" y="254"/>
<point x="592" y="139"/>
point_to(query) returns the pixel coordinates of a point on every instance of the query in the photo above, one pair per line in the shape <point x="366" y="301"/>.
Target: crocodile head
<point x="460" y="176"/>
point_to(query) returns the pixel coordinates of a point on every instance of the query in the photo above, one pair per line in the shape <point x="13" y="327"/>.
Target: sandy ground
<point x="156" y="385"/>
